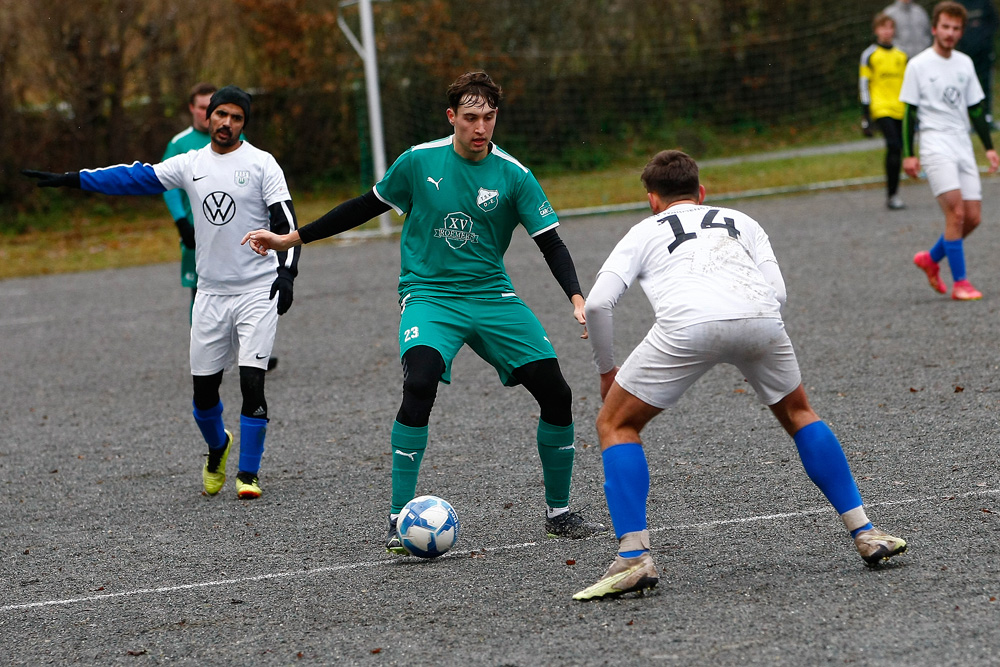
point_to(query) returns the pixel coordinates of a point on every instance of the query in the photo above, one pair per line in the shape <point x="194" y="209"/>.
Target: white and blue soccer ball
<point x="428" y="526"/>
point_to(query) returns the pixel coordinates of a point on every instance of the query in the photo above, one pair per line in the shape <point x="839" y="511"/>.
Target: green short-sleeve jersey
<point x="460" y="217"/>
<point x="182" y="142"/>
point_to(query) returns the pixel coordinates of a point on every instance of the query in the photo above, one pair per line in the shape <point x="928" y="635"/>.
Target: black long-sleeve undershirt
<point x="560" y="262"/>
<point x="352" y="213"/>
<point x="282" y="221"/>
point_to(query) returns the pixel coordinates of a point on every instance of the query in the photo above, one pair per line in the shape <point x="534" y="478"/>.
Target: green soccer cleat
<point x="876" y="546"/>
<point x="247" y="486"/>
<point x="392" y="542"/>
<point x="213" y="475"/>
<point x="625" y="575"/>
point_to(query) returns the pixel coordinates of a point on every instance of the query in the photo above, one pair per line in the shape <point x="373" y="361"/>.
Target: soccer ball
<point x="427" y="526"/>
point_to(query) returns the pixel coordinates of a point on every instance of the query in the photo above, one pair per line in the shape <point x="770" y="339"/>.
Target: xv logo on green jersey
<point x="457" y="230"/>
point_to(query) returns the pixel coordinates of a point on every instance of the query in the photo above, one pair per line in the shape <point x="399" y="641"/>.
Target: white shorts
<point x="663" y="366"/>
<point x="232" y="327"/>
<point x="950" y="164"/>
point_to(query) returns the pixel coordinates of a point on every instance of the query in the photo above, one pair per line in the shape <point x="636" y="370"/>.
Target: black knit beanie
<point x="230" y="95"/>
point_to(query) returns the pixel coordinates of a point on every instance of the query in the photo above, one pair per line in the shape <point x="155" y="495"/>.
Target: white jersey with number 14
<point x="698" y="264"/>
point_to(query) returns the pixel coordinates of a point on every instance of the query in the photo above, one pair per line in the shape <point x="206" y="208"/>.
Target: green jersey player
<point x="191" y="139"/>
<point x="463" y="197"/>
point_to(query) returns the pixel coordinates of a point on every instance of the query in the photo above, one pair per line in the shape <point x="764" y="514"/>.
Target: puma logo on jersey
<point x="437" y="183"/>
<point x="410" y="456"/>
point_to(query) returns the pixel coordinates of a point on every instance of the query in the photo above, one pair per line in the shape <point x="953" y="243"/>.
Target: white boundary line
<point x="458" y="554"/>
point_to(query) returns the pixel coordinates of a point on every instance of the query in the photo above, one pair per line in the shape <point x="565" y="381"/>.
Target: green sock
<point x="556" y="449"/>
<point x="408" y="444"/>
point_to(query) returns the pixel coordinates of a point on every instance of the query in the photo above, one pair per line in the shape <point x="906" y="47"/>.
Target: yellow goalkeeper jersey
<point x="880" y="79"/>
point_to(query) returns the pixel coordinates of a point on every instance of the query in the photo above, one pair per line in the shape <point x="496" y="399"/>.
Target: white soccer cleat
<point x="625" y="575"/>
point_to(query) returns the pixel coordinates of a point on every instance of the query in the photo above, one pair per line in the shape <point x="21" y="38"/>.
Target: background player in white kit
<point x="235" y="188"/>
<point x="941" y="91"/>
<point x="717" y="293"/>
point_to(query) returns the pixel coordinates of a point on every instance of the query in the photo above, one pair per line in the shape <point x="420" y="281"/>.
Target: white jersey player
<point x="942" y="93"/>
<point x="717" y="293"/>
<point x="234" y="188"/>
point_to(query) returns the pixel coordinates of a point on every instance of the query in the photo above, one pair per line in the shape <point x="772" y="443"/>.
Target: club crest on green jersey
<point x="242" y="177"/>
<point x="487" y="199"/>
<point x="457" y="230"/>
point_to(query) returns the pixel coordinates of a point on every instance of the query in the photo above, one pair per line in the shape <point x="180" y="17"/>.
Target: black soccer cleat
<point x="573" y="526"/>
<point x="393" y="544"/>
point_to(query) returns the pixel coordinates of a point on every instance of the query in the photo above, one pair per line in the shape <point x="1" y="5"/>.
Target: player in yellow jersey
<point x="879" y="81"/>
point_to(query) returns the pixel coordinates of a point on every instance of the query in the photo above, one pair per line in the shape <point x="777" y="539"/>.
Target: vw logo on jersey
<point x="219" y="208"/>
<point x="242" y="178"/>
<point x="457" y="230"/>
<point x="952" y="96"/>
<point x="487" y="199"/>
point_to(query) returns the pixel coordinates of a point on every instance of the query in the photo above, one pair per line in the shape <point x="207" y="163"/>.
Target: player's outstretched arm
<point x="580" y="312"/>
<point x="48" y="179"/>
<point x="348" y="215"/>
<point x="561" y="265"/>
<point x="262" y="240"/>
<point x="122" y="179"/>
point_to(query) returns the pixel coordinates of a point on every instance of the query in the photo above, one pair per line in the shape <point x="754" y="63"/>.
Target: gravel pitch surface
<point x="112" y="555"/>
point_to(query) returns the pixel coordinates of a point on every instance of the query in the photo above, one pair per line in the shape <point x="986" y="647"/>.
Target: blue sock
<point x="956" y="258"/>
<point x="937" y="250"/>
<point x="826" y="465"/>
<point x="252" y="433"/>
<point x="212" y="428"/>
<point x="626" y="486"/>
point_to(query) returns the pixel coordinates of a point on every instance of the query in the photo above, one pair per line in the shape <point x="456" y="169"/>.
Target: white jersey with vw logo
<point x="942" y="89"/>
<point x="229" y="197"/>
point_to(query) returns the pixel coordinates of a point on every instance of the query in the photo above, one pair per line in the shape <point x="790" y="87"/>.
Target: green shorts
<point x="503" y="331"/>
<point x="189" y="277"/>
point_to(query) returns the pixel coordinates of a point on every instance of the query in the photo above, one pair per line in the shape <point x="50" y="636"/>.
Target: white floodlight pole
<point x="366" y="49"/>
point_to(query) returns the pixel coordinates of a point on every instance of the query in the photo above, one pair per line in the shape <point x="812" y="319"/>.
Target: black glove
<point x="282" y="286"/>
<point x="48" y="179"/>
<point x="186" y="230"/>
<point x="866" y="128"/>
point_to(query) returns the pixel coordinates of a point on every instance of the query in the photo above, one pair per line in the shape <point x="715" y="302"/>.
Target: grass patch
<point x="93" y="232"/>
<point x="109" y="244"/>
<point x="621" y="185"/>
